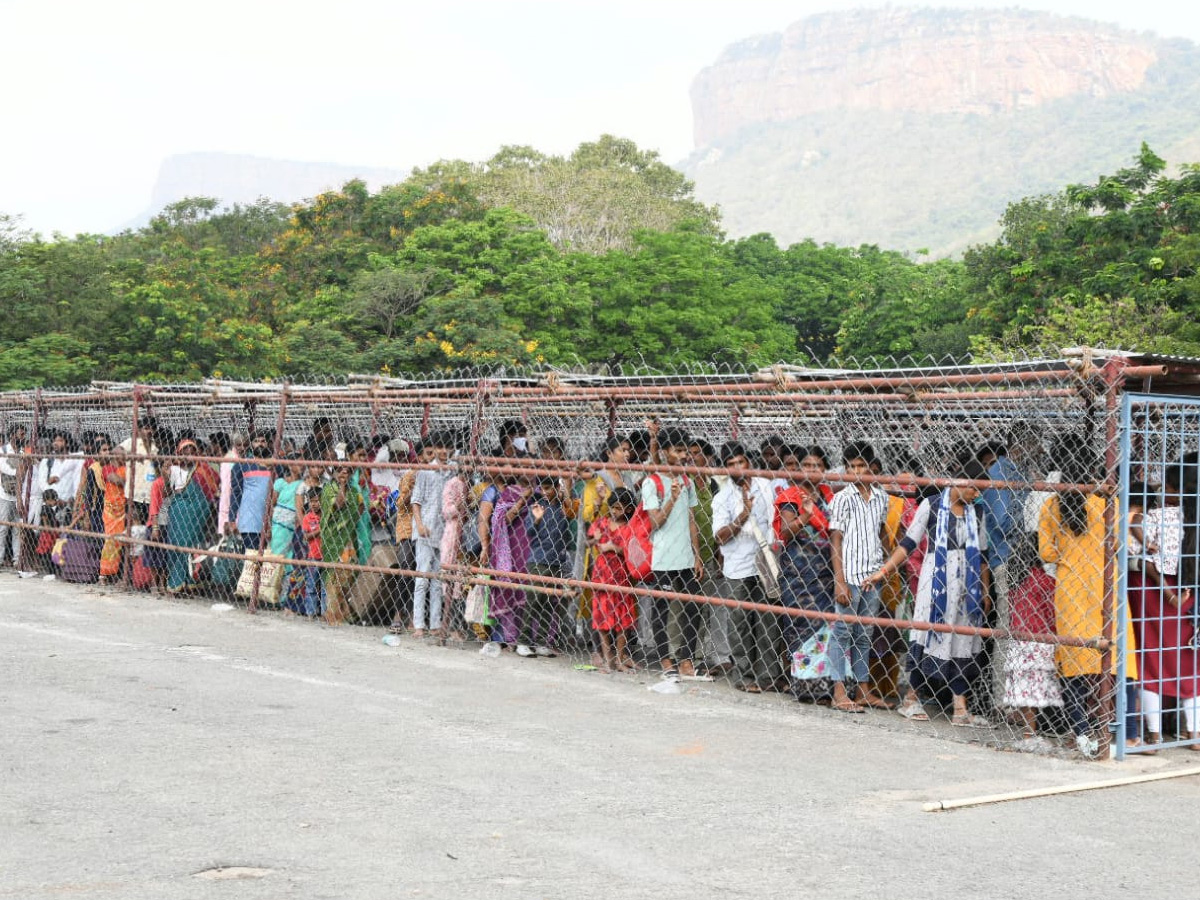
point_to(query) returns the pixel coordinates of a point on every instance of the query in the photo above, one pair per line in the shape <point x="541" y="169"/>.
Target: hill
<point x="238" y="178"/>
<point x="914" y="129"/>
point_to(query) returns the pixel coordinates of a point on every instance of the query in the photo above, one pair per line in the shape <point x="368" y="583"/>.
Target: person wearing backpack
<point x="669" y="502"/>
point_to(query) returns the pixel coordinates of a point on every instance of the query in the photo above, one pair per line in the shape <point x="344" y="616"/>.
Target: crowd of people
<point x="619" y="558"/>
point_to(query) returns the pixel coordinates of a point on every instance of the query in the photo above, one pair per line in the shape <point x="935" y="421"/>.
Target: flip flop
<point x="968" y="720"/>
<point x="914" y="712"/>
<point x="849" y="706"/>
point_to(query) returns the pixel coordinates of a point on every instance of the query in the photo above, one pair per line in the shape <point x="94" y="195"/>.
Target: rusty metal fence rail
<point x="936" y="540"/>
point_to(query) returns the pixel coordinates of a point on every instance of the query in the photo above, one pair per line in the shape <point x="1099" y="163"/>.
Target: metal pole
<point x="1122" y="577"/>
<point x="1113" y="379"/>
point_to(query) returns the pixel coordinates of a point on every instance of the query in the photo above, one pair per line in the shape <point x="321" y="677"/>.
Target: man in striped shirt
<point x="857" y="516"/>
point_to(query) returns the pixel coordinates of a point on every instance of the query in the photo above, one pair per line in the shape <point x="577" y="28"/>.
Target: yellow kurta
<point x="1079" y="590"/>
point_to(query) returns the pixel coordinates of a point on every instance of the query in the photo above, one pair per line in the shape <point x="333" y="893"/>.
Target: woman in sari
<point x="360" y="481"/>
<point x="593" y="506"/>
<point x="510" y="553"/>
<point x="195" y="485"/>
<point x="342" y="506"/>
<point x="113" y="473"/>
<point x="89" y="505"/>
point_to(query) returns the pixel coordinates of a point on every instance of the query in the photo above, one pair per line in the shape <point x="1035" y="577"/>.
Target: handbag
<point x="811" y="660"/>
<point x="476" y="610"/>
<point x="225" y="571"/>
<point x="766" y="563"/>
<point x="269" y="582"/>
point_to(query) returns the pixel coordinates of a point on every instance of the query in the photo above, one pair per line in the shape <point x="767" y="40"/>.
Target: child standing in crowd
<point x="1030" y="682"/>
<point x="614" y="613"/>
<point x="306" y="588"/>
<point x="550" y="551"/>
<point x="313" y="581"/>
<point x="857" y="516"/>
<point x="54" y="515"/>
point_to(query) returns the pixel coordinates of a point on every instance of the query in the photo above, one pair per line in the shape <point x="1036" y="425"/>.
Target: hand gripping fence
<point x="1004" y="552"/>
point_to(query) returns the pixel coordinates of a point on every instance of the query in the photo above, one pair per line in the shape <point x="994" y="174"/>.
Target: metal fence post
<point x="1108" y="689"/>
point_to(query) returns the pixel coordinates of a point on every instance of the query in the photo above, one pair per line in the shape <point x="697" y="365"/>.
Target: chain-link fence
<point x="936" y="547"/>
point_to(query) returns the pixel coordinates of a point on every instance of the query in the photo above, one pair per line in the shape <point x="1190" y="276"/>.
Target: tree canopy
<point x="603" y="257"/>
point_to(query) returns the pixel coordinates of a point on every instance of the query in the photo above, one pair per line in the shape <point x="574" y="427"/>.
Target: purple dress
<point x="510" y="553"/>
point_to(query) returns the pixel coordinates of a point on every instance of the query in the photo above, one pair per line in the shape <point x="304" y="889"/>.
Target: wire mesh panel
<point x="934" y="546"/>
<point x="1160" y="511"/>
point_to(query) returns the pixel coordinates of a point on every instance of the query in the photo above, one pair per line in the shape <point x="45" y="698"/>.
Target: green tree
<point x="680" y="297"/>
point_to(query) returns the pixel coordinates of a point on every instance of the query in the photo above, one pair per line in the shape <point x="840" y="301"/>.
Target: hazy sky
<point x="97" y="94"/>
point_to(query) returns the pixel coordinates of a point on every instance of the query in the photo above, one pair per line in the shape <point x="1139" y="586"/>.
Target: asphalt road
<point x="144" y="741"/>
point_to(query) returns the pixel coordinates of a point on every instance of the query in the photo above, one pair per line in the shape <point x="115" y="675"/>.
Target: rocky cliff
<point x="914" y="128"/>
<point x="917" y="61"/>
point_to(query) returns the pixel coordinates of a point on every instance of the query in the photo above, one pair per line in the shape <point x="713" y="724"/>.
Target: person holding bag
<point x="742" y="513"/>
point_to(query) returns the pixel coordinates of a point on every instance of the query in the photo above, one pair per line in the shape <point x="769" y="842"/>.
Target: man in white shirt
<point x="141" y="473"/>
<point x="11" y="501"/>
<point x="58" y="472"/>
<point x="742" y="510"/>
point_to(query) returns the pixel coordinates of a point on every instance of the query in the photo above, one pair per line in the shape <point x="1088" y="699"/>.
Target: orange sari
<point x="114" y="522"/>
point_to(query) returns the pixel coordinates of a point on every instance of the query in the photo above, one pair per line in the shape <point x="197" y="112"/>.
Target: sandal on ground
<point x="875" y="703"/>
<point x="396" y="629"/>
<point x="914" y="711"/>
<point x="846" y="706"/>
<point x="748" y="687"/>
<point x="968" y="720"/>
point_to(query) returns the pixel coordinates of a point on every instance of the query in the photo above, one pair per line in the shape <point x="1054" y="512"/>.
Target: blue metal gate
<point x="1157" y="572"/>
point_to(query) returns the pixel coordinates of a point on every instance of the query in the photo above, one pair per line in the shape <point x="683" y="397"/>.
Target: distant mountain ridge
<point x="914" y="128"/>
<point x="236" y="178"/>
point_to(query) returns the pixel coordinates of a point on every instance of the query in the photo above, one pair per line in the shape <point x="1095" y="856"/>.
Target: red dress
<point x="1167" y="662"/>
<point x="611" y="611"/>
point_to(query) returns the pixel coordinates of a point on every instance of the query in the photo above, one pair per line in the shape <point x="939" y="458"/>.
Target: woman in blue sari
<point x="196" y="485"/>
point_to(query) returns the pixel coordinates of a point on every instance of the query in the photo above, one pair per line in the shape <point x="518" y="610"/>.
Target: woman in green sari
<point x="360" y="481"/>
<point x="195" y="486"/>
<point x="341" y="508"/>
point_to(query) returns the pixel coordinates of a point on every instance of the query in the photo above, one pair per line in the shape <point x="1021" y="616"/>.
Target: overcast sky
<point x="98" y="94"/>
